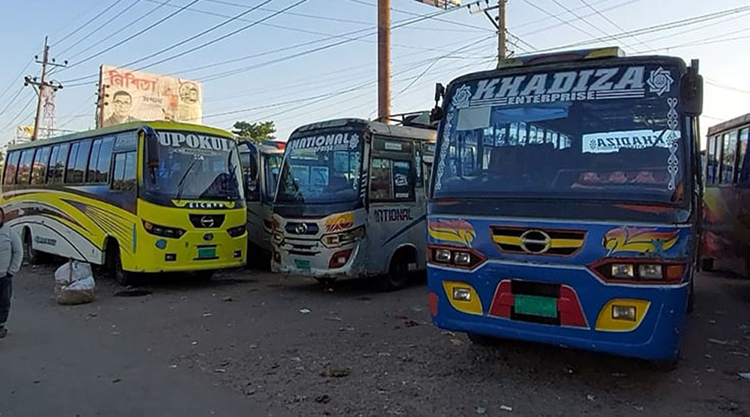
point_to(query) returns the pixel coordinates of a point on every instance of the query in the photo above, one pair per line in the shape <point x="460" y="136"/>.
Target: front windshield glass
<point x="194" y="166"/>
<point x="605" y="132"/>
<point x="273" y="163"/>
<point x="321" y="167"/>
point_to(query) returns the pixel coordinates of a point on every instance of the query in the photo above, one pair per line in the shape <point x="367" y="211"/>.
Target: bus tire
<point x="114" y="264"/>
<point x="326" y="282"/>
<point x="31" y="255"/>
<point x="665" y="365"/>
<point x="398" y="272"/>
<point x="707" y="264"/>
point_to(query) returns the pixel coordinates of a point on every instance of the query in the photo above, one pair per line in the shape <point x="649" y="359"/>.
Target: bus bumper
<point x="321" y="265"/>
<point x="191" y="253"/>
<point x="584" y="307"/>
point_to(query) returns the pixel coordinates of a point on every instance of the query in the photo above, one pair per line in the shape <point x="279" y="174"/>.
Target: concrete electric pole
<point x="384" y="60"/>
<point x="41" y="85"/>
<point x="498" y="22"/>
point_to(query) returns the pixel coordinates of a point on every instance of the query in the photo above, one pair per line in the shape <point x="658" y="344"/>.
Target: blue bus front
<point x="562" y="208"/>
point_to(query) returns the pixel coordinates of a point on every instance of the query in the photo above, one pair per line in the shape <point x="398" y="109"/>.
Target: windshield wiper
<point x="181" y="183"/>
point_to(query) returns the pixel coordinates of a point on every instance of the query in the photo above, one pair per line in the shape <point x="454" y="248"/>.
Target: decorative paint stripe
<point x="405" y="228"/>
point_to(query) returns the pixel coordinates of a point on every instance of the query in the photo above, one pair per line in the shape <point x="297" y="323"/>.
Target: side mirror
<point x="152" y="146"/>
<point x="691" y="91"/>
<point x="437" y="112"/>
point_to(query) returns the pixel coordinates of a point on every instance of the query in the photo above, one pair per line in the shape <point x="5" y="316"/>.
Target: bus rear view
<point x="565" y="201"/>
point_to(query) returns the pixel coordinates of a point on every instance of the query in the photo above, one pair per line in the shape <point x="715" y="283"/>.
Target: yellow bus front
<point x="190" y="202"/>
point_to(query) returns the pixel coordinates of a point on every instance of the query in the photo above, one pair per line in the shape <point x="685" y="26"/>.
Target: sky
<point x="318" y="59"/>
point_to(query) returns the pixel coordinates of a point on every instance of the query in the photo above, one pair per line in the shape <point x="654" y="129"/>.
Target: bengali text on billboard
<point x="129" y="96"/>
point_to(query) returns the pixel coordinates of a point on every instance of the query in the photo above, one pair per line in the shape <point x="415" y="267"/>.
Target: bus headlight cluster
<point x="464" y="258"/>
<point x="640" y="270"/>
<point x="237" y="231"/>
<point x="338" y="239"/>
<point x="163" y="231"/>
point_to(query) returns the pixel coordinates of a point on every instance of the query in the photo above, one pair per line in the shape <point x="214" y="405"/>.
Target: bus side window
<point x="728" y="161"/>
<point x="57" y="163"/>
<point x="391" y="180"/>
<point x="24" y="166"/>
<point x="743" y="164"/>
<point x="11" y="167"/>
<point x="39" y="166"/>
<point x="99" y="161"/>
<point x="252" y="186"/>
<point x="123" y="178"/>
<point x="77" y="162"/>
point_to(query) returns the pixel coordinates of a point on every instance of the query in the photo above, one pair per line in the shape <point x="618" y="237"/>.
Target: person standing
<point x="11" y="257"/>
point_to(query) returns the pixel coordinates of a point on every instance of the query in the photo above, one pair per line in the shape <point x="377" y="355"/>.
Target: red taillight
<point x="640" y="270"/>
<point x="464" y="258"/>
<point x="433" y="303"/>
<point x="339" y="259"/>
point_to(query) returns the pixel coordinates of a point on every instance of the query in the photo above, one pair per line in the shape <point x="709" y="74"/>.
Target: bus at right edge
<point x="566" y="202"/>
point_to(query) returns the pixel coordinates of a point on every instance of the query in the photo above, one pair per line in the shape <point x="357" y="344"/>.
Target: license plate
<point x="302" y="263"/>
<point x="206" y="253"/>
<point x="534" y="305"/>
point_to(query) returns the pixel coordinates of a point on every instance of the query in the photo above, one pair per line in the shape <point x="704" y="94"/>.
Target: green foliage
<point x="257" y="132"/>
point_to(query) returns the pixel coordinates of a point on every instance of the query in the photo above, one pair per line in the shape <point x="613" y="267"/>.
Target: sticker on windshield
<point x="194" y="141"/>
<point x="606" y="142"/>
<point x="566" y="86"/>
<point x="328" y="142"/>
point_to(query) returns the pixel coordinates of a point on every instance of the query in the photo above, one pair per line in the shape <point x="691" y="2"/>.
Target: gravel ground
<point x="288" y="346"/>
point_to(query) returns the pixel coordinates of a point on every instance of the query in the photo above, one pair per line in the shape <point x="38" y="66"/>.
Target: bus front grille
<point x="538" y="241"/>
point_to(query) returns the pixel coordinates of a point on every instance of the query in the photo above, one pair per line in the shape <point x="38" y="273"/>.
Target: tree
<point x="257" y="132"/>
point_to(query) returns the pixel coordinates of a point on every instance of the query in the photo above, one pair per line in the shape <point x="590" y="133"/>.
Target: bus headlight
<point x="237" y="231"/>
<point x="338" y="239"/>
<point x="622" y="270"/>
<point x="163" y="231"/>
<point x="278" y="237"/>
<point x="649" y="271"/>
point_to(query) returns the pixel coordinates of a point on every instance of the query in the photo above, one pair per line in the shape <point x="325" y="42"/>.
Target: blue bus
<point x="565" y="202"/>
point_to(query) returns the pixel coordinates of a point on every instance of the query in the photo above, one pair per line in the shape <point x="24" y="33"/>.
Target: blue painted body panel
<point x="656" y="338"/>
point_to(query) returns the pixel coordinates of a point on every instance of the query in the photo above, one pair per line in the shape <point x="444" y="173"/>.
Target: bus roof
<point x="564" y="56"/>
<point x="729" y="124"/>
<point x="158" y="125"/>
<point x="376" y="127"/>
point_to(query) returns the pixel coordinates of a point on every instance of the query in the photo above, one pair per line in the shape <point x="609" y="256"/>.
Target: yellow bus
<point x="141" y="197"/>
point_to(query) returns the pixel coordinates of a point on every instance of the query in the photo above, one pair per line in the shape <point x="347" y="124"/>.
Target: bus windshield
<point x="321" y="168"/>
<point x="599" y="133"/>
<point x="195" y="167"/>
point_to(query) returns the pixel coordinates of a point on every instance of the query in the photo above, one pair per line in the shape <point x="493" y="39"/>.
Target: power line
<point x="726" y="87"/>
<point x="13" y="120"/>
<point x="128" y="39"/>
<point x="437" y="19"/>
<point x="611" y="22"/>
<point x="98" y="28"/>
<point x="90" y="21"/>
<point x="16" y="78"/>
<point x="655" y="28"/>
<point x="203" y="33"/>
<point x="117" y="32"/>
<point x="12" y="100"/>
<point x="564" y="21"/>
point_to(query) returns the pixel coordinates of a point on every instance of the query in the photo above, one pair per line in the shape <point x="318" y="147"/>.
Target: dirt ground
<point x="250" y="343"/>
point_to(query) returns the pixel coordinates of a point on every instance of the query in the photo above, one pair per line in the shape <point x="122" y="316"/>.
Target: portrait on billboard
<point x="129" y="96"/>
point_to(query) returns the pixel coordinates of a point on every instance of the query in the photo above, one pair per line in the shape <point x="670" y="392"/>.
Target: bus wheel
<point x="205" y="275"/>
<point x="398" y="273"/>
<point x="480" y="339"/>
<point x="707" y="264"/>
<point x="665" y="365"/>
<point x="31" y="255"/>
<point x="114" y="263"/>
<point x="326" y="282"/>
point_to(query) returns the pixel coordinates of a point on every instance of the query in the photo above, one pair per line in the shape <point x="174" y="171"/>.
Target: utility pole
<point x="498" y="22"/>
<point x="41" y="84"/>
<point x="501" y="41"/>
<point x="384" y="60"/>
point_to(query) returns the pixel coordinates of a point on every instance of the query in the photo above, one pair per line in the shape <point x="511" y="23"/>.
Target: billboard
<point x="129" y="96"/>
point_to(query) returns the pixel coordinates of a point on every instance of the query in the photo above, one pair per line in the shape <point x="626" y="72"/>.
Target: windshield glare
<point x="195" y="167"/>
<point x="321" y="168"/>
<point x="617" y="137"/>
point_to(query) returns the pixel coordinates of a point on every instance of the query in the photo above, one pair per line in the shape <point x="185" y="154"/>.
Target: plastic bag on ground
<point x="74" y="283"/>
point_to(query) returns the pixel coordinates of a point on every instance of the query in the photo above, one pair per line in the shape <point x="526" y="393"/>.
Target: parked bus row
<point x="558" y="202"/>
